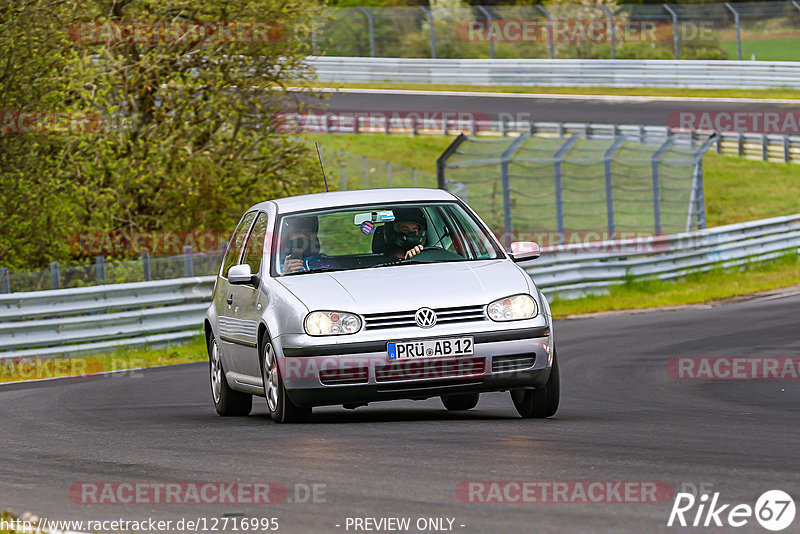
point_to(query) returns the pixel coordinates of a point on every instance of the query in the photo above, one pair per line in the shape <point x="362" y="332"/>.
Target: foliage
<point x="190" y="129"/>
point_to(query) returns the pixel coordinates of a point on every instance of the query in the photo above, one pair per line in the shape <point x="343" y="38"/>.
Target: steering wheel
<point x="433" y="253"/>
<point x="317" y="261"/>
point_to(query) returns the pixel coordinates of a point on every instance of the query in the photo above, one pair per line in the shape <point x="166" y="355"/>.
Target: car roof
<point x="356" y="197"/>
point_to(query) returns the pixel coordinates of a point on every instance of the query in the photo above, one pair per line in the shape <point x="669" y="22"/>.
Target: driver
<point x="300" y="245"/>
<point x="406" y="234"/>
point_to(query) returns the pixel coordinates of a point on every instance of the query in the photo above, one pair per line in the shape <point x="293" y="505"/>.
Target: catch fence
<point x="560" y="188"/>
<point x="738" y="30"/>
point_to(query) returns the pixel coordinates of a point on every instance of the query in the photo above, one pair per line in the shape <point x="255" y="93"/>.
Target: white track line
<point x="606" y="98"/>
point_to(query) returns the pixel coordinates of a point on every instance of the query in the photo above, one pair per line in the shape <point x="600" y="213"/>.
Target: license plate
<point x="430" y="348"/>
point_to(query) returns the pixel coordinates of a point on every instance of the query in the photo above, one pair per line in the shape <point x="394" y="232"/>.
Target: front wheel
<point x="541" y="402"/>
<point x="280" y="406"/>
<point x="465" y="401"/>
<point x="228" y="402"/>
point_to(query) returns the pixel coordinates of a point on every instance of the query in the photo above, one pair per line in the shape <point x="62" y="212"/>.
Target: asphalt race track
<point x="640" y="110"/>
<point x="622" y="418"/>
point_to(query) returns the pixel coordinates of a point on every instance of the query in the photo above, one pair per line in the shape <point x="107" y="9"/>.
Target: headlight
<point x="513" y="308"/>
<point x="330" y="323"/>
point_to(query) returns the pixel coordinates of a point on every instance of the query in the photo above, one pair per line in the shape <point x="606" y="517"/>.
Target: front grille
<point x="430" y="369"/>
<point x="462" y="314"/>
<point x="352" y="375"/>
<point x="502" y="364"/>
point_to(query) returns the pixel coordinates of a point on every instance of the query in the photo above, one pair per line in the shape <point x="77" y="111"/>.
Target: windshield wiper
<point x="412" y="261"/>
<point x="416" y="262"/>
<point x="314" y="270"/>
<point x="384" y="264"/>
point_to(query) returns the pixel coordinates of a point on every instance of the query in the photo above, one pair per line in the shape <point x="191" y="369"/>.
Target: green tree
<point x="191" y="119"/>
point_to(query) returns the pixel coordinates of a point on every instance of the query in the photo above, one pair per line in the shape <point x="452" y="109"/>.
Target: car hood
<point x="409" y="287"/>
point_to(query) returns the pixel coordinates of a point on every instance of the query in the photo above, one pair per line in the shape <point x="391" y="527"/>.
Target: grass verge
<point x="405" y="149"/>
<point x="775" y="49"/>
<point x="779" y="93"/>
<point x="31" y="368"/>
<point x="694" y="288"/>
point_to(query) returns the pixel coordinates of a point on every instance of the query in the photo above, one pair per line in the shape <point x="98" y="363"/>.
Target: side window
<point x="255" y="245"/>
<point x="237" y="241"/>
<point x="475" y="241"/>
<point x="436" y="232"/>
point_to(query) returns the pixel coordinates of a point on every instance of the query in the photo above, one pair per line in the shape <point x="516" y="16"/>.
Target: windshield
<point x="379" y="235"/>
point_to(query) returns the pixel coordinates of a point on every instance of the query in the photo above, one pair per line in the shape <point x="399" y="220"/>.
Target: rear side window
<point x="237" y="242"/>
<point x="255" y="244"/>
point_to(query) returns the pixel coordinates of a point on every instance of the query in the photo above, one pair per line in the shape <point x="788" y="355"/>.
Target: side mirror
<point x="240" y="274"/>
<point x="525" y="250"/>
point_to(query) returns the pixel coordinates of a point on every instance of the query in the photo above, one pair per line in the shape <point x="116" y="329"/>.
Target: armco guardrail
<point x="561" y="72"/>
<point x="101" y="318"/>
<point x="576" y="269"/>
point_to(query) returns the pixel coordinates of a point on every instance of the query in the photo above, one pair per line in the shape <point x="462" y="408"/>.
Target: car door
<point x="248" y="302"/>
<point x="224" y="295"/>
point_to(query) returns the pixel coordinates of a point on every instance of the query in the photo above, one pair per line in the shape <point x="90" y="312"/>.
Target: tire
<point x="465" y="401"/>
<point x="280" y="406"/>
<point x="542" y="402"/>
<point x="228" y="402"/>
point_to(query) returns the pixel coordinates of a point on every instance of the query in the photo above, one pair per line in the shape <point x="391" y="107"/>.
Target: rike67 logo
<point x="774" y="510"/>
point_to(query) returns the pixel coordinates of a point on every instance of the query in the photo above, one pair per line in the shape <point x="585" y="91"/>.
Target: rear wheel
<point x="227" y="401"/>
<point x="280" y="406"/>
<point x="541" y="402"/>
<point x="465" y="401"/>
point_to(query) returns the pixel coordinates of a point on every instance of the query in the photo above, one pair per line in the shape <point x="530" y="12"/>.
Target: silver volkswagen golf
<point x="360" y="296"/>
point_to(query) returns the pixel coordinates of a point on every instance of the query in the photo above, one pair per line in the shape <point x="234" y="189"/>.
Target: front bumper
<point x="359" y="372"/>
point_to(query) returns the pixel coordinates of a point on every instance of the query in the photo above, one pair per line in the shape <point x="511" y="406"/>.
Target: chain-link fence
<point x="561" y="188"/>
<point x="738" y="30"/>
<point x="110" y="271"/>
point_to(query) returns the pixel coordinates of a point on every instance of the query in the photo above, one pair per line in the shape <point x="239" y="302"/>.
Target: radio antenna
<point x="321" y="167"/>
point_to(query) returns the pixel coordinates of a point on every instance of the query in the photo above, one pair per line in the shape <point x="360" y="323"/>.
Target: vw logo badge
<point x="425" y="317"/>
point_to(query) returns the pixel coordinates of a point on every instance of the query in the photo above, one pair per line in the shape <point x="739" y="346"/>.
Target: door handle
<point x="230" y="300"/>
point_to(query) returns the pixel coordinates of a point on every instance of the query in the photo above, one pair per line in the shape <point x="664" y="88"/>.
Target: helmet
<point x="403" y="241"/>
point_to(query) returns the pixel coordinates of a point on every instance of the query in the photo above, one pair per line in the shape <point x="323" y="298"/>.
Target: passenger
<point x="300" y="248"/>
